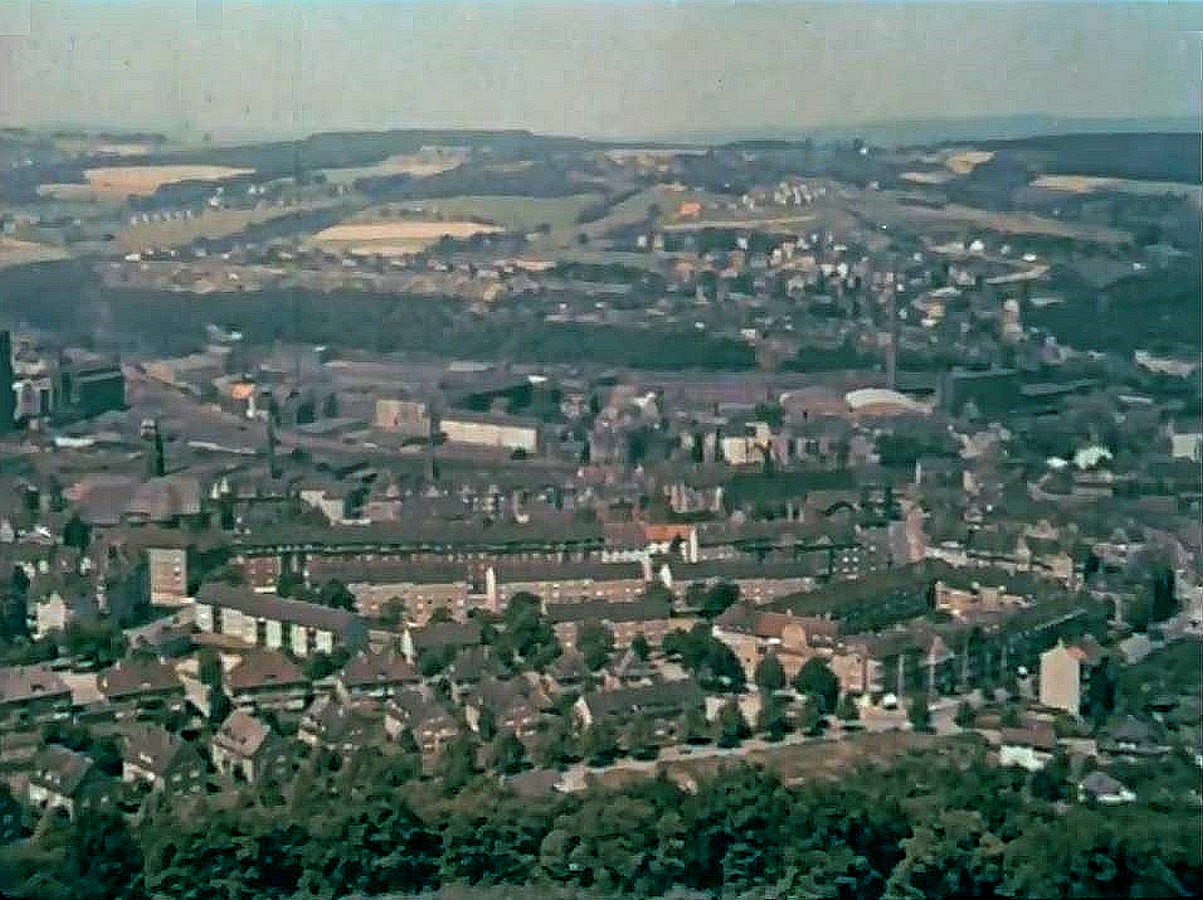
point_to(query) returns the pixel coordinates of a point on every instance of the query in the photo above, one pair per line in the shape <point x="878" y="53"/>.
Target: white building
<point x="487" y="430"/>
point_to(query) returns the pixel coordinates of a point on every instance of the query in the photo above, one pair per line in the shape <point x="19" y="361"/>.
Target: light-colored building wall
<point x="1061" y="680"/>
<point x="410" y="418"/>
<point x="168" y="575"/>
<point x="1026" y="757"/>
<point x="491" y="434"/>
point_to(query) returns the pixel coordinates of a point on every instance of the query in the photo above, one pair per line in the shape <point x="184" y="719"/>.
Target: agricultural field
<point x="1087" y="184"/>
<point x="119" y="182"/>
<point x="14" y="252"/>
<point x="395" y="238"/>
<point x="510" y="213"/>
<point x="419" y="165"/>
<point x="962" y="162"/>
<point x="210" y="224"/>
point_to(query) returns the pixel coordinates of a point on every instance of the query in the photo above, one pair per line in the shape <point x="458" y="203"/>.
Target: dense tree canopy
<point x="928" y="824"/>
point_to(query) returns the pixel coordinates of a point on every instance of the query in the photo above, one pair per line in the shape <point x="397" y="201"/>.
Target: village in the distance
<point x="505" y="473"/>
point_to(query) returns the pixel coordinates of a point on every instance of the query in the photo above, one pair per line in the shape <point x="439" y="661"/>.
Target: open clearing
<point x="511" y="213"/>
<point x="1086" y="184"/>
<point x="885" y="207"/>
<point x="119" y="182"/>
<point x="963" y="162"/>
<point x="395" y="238"/>
<point x="927" y="177"/>
<point x="419" y="165"/>
<point x="750" y="222"/>
<point x="14" y="252"/>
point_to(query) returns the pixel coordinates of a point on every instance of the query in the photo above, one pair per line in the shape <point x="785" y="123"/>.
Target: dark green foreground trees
<point x="928" y="826"/>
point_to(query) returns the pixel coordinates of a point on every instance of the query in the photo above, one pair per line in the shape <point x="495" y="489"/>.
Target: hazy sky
<point x="614" y="69"/>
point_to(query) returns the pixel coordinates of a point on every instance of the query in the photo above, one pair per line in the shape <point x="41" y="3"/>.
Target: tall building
<point x="8" y="395"/>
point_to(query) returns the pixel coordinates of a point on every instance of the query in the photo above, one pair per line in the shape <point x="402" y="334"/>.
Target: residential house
<point x="629" y="670"/>
<point x="564" y="582"/>
<point x="569" y="672"/>
<point x="154" y="756"/>
<point x="440" y="636"/>
<point x="141" y="685"/>
<point x="665" y="704"/>
<point x="248" y="748"/>
<point x="32" y="694"/>
<point x="279" y="624"/>
<point x="432" y="726"/>
<point x="1102" y="788"/>
<point x="267" y="679"/>
<point x="1064" y="674"/>
<point x="651" y="616"/>
<point x="1030" y="748"/>
<point x="67" y="780"/>
<point x="753" y="634"/>
<point x="876" y="664"/>
<point x="1133" y="739"/>
<point x="342" y="725"/>
<point x="377" y="675"/>
<point x="511" y="704"/>
<point x="168" y="568"/>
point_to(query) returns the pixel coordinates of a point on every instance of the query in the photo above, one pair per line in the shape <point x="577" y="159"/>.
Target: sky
<point x="599" y="69"/>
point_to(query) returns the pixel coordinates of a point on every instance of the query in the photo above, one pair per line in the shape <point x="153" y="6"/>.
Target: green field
<point x="511" y="213"/>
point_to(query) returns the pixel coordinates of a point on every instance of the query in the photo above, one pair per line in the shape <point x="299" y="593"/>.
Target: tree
<point x="1011" y="716"/>
<point x="815" y="679"/>
<point x="457" y="764"/>
<point x="330" y="407"/>
<point x="848" y="710"/>
<point x="772" y="721"/>
<point x="219" y="705"/>
<point x="694" y="727"/>
<point x="966" y="715"/>
<point x="640" y="647"/>
<point x="555" y="746"/>
<point x="101" y="643"/>
<point x="76" y="534"/>
<point x="731" y="726"/>
<point x="919" y="713"/>
<point x="811" y="721"/>
<point x="507" y="755"/>
<point x="719" y="599"/>
<point x="318" y="666"/>
<point x="641" y="740"/>
<point x="770" y="674"/>
<point x="596" y="643"/>
<point x="599" y="743"/>
<point x="336" y="595"/>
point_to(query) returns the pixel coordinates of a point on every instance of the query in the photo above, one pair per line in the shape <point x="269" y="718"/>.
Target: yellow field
<point x="394" y="238"/>
<point x="1086" y="184"/>
<point x="418" y="165"/>
<point x="14" y="252"/>
<point x="118" y="182"/>
<point x="927" y="177"/>
<point x="965" y="161"/>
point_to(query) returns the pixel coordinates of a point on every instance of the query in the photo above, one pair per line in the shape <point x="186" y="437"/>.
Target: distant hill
<point x="1158" y="156"/>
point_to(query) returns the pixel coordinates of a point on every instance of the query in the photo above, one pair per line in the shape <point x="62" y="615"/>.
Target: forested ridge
<point x="930" y="825"/>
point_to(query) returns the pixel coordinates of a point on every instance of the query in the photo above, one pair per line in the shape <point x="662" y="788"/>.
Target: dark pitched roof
<point x="242" y="733"/>
<point x="268" y="606"/>
<point x="1039" y="736"/>
<point x="61" y="770"/>
<point x="369" y="669"/>
<point x="138" y="675"/>
<point x="152" y="748"/>
<point x="566" y="571"/>
<point x="666" y="698"/>
<point x="644" y="609"/>
<point x="264" y="668"/>
<point x="19" y="684"/>
<point x="569" y="667"/>
<point x="445" y="634"/>
<point x="335" y="721"/>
